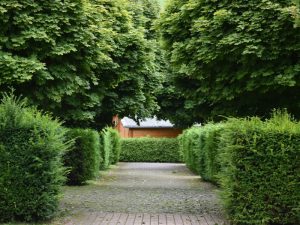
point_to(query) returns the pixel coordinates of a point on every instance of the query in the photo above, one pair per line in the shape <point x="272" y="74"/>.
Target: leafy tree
<point x="296" y="12"/>
<point x="232" y="58"/>
<point x="134" y="96"/>
<point x="50" y="53"/>
<point x="82" y="60"/>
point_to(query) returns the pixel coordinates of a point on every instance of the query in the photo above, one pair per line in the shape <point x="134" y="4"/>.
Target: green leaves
<point x="15" y="69"/>
<point x="232" y="59"/>
<point x="256" y="163"/>
<point x="150" y="150"/>
<point x="83" y="160"/>
<point x="31" y="170"/>
<point x="83" y="61"/>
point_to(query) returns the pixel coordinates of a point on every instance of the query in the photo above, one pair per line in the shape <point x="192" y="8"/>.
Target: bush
<point x="115" y="142"/>
<point x="200" y="150"/>
<point x="150" y="150"/>
<point x="111" y="148"/>
<point x="31" y="169"/>
<point x="261" y="171"/>
<point x="212" y="149"/>
<point x="83" y="160"/>
<point x="255" y="162"/>
<point x="191" y="145"/>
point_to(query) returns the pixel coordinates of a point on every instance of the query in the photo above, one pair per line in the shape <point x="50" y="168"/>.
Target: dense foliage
<point x="238" y="58"/>
<point x="111" y="147"/>
<point x="262" y="171"/>
<point x="150" y="150"/>
<point x="82" y="60"/>
<point x="200" y="149"/>
<point x="255" y="162"/>
<point x="112" y="144"/>
<point x="134" y="95"/>
<point x="83" y="160"/>
<point x="31" y="170"/>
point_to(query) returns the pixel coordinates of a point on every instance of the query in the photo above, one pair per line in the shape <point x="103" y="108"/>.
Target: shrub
<point x="212" y="149"/>
<point x="150" y="150"/>
<point x="111" y="148"/>
<point x="200" y="150"/>
<point x="261" y="171"/>
<point x="257" y="164"/>
<point x="115" y="142"/>
<point x="191" y="146"/>
<point x="31" y="169"/>
<point x="84" y="158"/>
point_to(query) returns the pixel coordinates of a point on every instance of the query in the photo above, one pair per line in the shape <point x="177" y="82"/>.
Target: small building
<point x="149" y="127"/>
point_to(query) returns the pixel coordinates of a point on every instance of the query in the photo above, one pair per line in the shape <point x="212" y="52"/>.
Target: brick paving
<point x="97" y="218"/>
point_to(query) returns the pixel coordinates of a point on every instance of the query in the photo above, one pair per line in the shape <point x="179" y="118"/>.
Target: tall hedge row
<point x="256" y="163"/>
<point x="83" y="160"/>
<point x="200" y="150"/>
<point x="31" y="170"/>
<point x="111" y="147"/>
<point x="150" y="150"/>
<point x="91" y="151"/>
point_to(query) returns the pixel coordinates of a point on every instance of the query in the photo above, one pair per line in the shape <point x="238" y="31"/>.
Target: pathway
<point x="144" y="193"/>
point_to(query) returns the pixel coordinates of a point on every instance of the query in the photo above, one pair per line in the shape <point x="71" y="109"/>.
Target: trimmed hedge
<point x="256" y="163"/>
<point x="261" y="171"/>
<point x="31" y="169"/>
<point x="111" y="147"/>
<point x="150" y="150"/>
<point x="200" y="150"/>
<point x="83" y="160"/>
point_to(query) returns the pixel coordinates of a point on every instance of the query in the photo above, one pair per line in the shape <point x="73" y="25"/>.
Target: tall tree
<point x="76" y="58"/>
<point x="232" y="58"/>
<point x="135" y="96"/>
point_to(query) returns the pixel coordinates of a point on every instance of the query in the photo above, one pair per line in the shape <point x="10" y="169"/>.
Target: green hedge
<point x="261" y="171"/>
<point x="83" y="160"/>
<point x="150" y="150"/>
<point x="190" y="144"/>
<point x="199" y="146"/>
<point x="31" y="169"/>
<point x="111" y="147"/>
<point x="256" y="163"/>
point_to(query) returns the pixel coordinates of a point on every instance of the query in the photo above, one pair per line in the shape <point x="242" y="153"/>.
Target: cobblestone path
<point x="144" y="193"/>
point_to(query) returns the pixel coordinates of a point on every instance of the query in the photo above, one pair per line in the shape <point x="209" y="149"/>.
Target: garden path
<point x="144" y="193"/>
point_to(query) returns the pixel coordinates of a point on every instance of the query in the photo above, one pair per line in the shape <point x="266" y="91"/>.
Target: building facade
<point x="150" y="127"/>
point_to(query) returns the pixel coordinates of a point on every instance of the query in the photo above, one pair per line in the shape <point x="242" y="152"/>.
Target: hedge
<point x="256" y="163"/>
<point x="261" y="171"/>
<point x="111" y="147"/>
<point x="150" y="150"/>
<point x="83" y="160"/>
<point x="31" y="170"/>
<point x="200" y="150"/>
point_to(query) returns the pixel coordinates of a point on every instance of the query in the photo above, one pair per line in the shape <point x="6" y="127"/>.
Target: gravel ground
<point x="144" y="188"/>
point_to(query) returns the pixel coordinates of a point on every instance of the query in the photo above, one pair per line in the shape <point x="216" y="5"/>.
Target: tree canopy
<point x="232" y="58"/>
<point x="82" y="60"/>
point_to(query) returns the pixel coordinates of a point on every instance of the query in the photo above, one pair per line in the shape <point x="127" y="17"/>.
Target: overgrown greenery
<point x="31" y="170"/>
<point x="256" y="163"/>
<point x="150" y="150"/>
<point x="82" y="60"/>
<point x="230" y="58"/>
<point x="83" y="160"/>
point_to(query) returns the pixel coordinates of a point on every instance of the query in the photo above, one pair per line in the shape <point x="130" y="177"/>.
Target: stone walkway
<point x="144" y="193"/>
